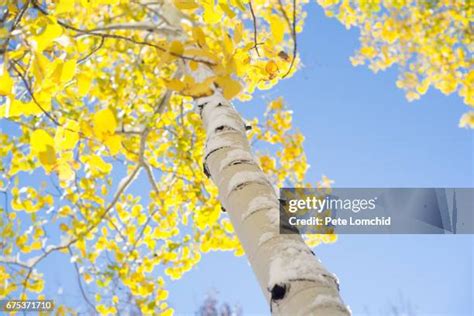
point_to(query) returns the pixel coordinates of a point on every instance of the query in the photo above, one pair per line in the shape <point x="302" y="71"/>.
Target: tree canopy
<point x="432" y="42"/>
<point x="103" y="156"/>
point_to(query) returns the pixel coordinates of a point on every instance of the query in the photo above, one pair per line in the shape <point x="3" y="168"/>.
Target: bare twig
<point x="254" y="27"/>
<point x="20" y="15"/>
<point x="17" y="21"/>
<point x="150" y="7"/>
<point x="40" y="258"/>
<point x="292" y="26"/>
<point x="102" y="40"/>
<point x="117" y="229"/>
<point x="79" y="281"/>
<point x="151" y="177"/>
<point x="10" y="260"/>
<point x="123" y="185"/>
<point x="137" y="26"/>
<point x="30" y="92"/>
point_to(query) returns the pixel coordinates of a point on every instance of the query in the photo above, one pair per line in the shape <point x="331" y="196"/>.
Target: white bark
<point x="292" y="279"/>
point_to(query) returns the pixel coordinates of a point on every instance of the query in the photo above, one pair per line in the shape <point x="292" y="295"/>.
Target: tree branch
<point x="30" y="92"/>
<point x="102" y="40"/>
<point x="17" y="21"/>
<point x="254" y="27"/>
<point x="79" y="281"/>
<point x="292" y="26"/>
<point x="120" y="37"/>
<point x="137" y="26"/>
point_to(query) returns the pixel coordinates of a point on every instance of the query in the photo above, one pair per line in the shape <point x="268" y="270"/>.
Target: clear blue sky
<point x="361" y="132"/>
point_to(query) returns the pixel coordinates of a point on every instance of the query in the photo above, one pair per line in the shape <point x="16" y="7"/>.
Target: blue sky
<point x="362" y="132"/>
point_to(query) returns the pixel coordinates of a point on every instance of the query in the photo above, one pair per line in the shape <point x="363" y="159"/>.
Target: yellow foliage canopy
<point x="431" y="41"/>
<point x="105" y="148"/>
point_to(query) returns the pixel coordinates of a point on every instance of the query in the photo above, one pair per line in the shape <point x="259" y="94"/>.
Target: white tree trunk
<point x="292" y="279"/>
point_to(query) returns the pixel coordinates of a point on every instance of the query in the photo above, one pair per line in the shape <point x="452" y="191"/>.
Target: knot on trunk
<point x="278" y="291"/>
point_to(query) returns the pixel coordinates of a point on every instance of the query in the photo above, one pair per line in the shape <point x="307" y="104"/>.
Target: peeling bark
<point x="293" y="281"/>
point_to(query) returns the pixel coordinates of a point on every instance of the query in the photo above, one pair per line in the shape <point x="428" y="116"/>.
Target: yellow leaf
<point x="229" y="86"/>
<point x="276" y="104"/>
<point x="199" y="89"/>
<point x="83" y="83"/>
<point x="62" y="72"/>
<point x="176" y="48"/>
<point x="193" y="65"/>
<point x="111" y="2"/>
<point x="96" y="164"/>
<point x="211" y="13"/>
<point x="64" y="6"/>
<point x="4" y="32"/>
<point x="6" y="84"/>
<point x="175" y="84"/>
<point x="104" y="123"/>
<point x="36" y="245"/>
<point x="65" y="172"/>
<point x="238" y="31"/>
<point x="67" y="136"/>
<point x="81" y="245"/>
<point x="201" y="53"/>
<point x="228" y="45"/>
<point x="42" y="145"/>
<point x="186" y="4"/>
<point x="51" y="31"/>
<point x="114" y="144"/>
<point x="271" y="68"/>
<point x="240" y="4"/>
<point x="225" y="7"/>
<point x="55" y="70"/>
<point x="39" y="140"/>
<point x="68" y="70"/>
<point x="87" y="278"/>
<point x="277" y="28"/>
<point x="35" y="285"/>
<point x="199" y="36"/>
<point x="40" y="66"/>
<point x="368" y="51"/>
